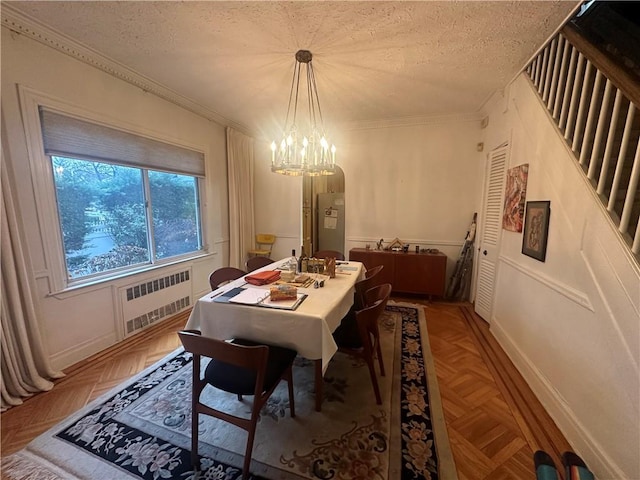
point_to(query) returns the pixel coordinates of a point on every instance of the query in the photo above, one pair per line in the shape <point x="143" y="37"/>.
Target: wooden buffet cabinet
<point x="421" y="273"/>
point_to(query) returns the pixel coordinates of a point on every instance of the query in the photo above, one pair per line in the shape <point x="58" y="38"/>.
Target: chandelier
<point x="304" y="148"/>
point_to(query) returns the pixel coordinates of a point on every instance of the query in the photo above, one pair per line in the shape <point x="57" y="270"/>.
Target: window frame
<point x="44" y="189"/>
<point x="147" y="200"/>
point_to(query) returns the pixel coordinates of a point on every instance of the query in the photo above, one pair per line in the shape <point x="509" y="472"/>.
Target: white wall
<point x="420" y="183"/>
<point x="571" y="324"/>
<point x="84" y="322"/>
<point x="278" y="204"/>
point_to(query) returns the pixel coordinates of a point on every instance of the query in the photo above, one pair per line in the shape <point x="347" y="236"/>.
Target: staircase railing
<point x="598" y="115"/>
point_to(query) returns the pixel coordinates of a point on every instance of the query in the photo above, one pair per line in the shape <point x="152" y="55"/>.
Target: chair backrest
<point x="379" y="292"/>
<point x="265" y="239"/>
<point x="329" y="254"/>
<point x="254" y="357"/>
<point x="224" y="275"/>
<point x="367" y="317"/>
<point x="264" y="245"/>
<point x="372" y="272"/>
<point x="249" y="357"/>
<point x="255" y="263"/>
<point x="372" y="279"/>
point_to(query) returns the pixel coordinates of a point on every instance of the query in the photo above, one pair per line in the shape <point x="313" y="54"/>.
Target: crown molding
<point x="20" y="23"/>
<point x="412" y="121"/>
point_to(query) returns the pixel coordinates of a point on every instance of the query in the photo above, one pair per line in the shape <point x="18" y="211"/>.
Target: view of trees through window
<point x="104" y="218"/>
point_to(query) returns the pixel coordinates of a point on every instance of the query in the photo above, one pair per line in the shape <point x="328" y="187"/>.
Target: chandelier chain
<point x="315" y="89"/>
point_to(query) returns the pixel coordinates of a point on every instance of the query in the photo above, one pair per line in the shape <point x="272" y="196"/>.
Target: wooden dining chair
<point x="371" y="279"/>
<point x="255" y="263"/>
<point x="223" y="275"/>
<point x="241" y="367"/>
<point x="329" y="254"/>
<point x="361" y="337"/>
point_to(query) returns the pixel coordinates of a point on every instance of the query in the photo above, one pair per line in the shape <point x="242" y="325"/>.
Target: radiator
<point x="145" y="302"/>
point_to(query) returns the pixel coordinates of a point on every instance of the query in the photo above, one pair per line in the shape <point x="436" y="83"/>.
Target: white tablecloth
<point x="307" y="329"/>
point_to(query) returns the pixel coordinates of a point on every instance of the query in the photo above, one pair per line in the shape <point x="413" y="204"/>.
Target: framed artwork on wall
<point x="514" y="196"/>
<point x="536" y="229"/>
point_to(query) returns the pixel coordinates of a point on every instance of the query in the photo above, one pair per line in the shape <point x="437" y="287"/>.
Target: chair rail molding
<point x="411" y="241"/>
<point x="567" y="291"/>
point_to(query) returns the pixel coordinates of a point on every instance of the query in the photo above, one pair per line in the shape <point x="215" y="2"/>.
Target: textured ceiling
<point x="374" y="61"/>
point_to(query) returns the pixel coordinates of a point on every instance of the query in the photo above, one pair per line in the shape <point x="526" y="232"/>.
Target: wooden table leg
<point x="319" y="385"/>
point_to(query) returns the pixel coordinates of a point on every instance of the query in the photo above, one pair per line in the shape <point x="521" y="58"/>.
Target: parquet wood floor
<point x="494" y="422"/>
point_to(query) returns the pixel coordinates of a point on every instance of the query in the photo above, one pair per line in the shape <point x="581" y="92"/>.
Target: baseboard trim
<point x="576" y="434"/>
<point x="536" y="424"/>
<point x="115" y="347"/>
<point x="77" y="353"/>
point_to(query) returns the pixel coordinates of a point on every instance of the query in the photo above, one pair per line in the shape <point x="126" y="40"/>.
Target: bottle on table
<point x="303" y="261"/>
<point x="293" y="262"/>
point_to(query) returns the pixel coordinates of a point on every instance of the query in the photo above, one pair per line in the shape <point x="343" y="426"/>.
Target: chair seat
<point x="241" y="381"/>
<point x="347" y="335"/>
<point x="256" y="251"/>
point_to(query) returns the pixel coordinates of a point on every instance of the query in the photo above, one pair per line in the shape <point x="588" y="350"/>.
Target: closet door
<point x="491" y="230"/>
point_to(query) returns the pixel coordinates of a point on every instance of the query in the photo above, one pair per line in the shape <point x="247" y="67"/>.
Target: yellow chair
<point x="264" y="243"/>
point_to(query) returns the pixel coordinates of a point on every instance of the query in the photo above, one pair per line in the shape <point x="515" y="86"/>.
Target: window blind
<point x="66" y="136"/>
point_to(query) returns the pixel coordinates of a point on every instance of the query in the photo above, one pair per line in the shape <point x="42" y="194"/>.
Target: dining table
<point x="307" y="328"/>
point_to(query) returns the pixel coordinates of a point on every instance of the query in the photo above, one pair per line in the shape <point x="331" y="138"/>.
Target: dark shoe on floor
<point x="545" y="467"/>
<point x="575" y="468"/>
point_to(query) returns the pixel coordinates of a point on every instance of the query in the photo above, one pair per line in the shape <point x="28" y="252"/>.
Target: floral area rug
<point x="141" y="430"/>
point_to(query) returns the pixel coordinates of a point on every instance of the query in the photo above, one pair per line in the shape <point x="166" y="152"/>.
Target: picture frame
<point x="536" y="229"/>
<point x="514" y="197"/>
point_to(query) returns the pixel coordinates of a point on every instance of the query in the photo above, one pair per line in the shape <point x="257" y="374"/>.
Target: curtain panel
<point x="25" y="362"/>
<point x="240" y="161"/>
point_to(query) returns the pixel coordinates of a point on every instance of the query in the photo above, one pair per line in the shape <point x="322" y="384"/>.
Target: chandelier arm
<point x="295" y="106"/>
<point x="317" y="97"/>
<point x="310" y="98"/>
<point x="293" y="82"/>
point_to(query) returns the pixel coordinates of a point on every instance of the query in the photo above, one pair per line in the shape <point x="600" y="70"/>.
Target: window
<point x="124" y="202"/>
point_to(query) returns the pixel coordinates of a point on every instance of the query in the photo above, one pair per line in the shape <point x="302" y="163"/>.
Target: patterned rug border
<point x="38" y="467"/>
<point x="446" y="464"/>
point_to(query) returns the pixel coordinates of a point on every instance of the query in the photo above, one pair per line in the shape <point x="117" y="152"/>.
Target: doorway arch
<point x="311" y="217"/>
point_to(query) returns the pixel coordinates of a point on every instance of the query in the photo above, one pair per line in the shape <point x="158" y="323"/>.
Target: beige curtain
<point x="25" y="364"/>
<point x="240" y="177"/>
